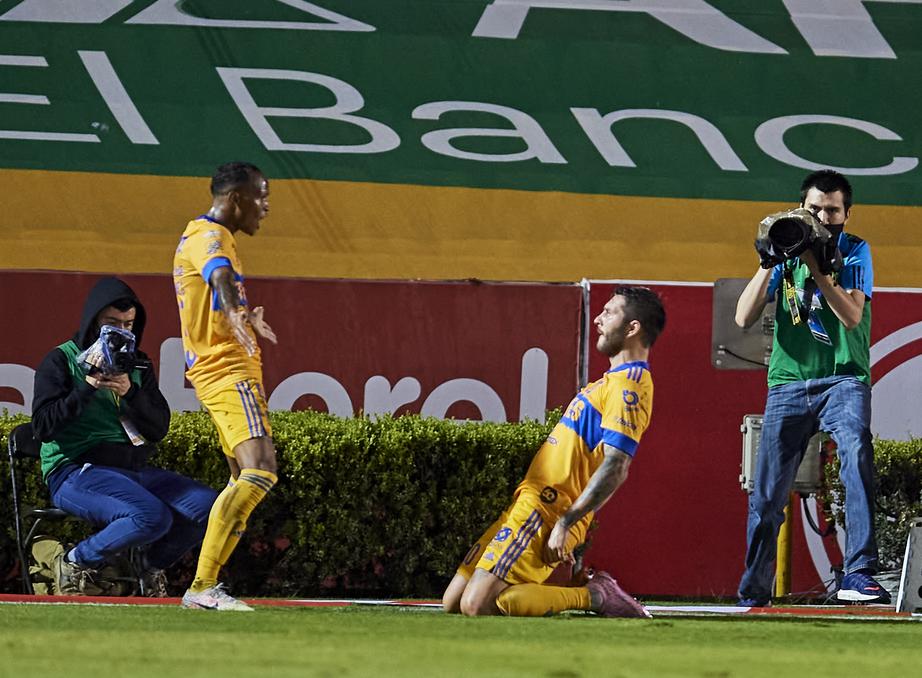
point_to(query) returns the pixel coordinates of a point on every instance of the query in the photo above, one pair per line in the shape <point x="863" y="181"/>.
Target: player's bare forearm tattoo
<point x="226" y="289"/>
<point x="602" y="485"/>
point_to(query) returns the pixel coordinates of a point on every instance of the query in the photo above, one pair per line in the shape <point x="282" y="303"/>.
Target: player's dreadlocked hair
<point x="232" y="175"/>
<point x="644" y="305"/>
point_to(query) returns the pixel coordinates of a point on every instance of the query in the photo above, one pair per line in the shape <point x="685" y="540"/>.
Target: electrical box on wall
<point x="807" y="480"/>
<point x="734" y="348"/>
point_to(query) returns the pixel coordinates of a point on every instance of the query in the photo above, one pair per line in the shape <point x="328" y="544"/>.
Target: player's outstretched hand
<point x="261" y="326"/>
<point x="555" y="550"/>
<point x="237" y="318"/>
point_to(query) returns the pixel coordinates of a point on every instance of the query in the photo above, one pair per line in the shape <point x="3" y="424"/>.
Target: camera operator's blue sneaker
<point x="859" y="587"/>
<point x="753" y="602"/>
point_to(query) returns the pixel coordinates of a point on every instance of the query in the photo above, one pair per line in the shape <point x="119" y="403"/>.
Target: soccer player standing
<point x="219" y="331"/>
<point x="577" y="469"/>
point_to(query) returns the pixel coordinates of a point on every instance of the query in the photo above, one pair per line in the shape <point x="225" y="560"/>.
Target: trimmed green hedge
<point x="387" y="506"/>
<point x="899" y="495"/>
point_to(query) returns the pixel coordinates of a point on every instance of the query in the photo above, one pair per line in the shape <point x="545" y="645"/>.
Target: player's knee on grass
<point x="451" y="599"/>
<point x="478" y="602"/>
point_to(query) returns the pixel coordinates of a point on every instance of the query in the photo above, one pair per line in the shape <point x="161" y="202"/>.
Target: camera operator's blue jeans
<point x="136" y="508"/>
<point x="841" y="406"/>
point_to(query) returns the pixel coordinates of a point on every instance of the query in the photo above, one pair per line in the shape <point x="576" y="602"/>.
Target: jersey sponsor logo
<point x="214" y="247"/>
<point x="552" y="440"/>
<point x="621" y="421"/>
<point x="630" y="398"/>
<point x="472" y="554"/>
<point x="548" y="495"/>
<point x="503" y="534"/>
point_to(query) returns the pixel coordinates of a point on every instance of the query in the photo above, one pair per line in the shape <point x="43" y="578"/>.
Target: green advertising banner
<point x="528" y="139"/>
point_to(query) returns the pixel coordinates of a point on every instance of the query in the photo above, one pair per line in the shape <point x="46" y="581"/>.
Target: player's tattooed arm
<point x="225" y="287"/>
<point x="601" y="486"/>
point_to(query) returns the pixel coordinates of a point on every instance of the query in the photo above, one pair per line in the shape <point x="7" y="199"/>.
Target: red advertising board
<point x="457" y="349"/>
<point x="678" y="525"/>
<point x="502" y="351"/>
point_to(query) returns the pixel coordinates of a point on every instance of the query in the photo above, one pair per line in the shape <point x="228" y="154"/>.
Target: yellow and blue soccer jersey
<point x="214" y="358"/>
<point x="614" y="410"/>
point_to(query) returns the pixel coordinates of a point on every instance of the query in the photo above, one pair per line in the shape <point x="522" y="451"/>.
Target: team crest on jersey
<point x="503" y="534"/>
<point x="548" y="495"/>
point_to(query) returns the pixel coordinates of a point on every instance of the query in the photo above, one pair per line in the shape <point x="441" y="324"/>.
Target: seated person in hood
<point x="98" y="414"/>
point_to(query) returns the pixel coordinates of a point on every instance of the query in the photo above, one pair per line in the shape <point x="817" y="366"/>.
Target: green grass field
<point x="72" y="641"/>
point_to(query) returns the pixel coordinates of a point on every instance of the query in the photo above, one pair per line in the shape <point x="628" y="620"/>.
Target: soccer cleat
<point x="612" y="599"/>
<point x="71" y="579"/>
<point x="153" y="583"/>
<point x="858" y="587"/>
<point x="215" y="598"/>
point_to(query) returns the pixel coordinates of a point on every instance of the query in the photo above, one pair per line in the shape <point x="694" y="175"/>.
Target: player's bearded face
<point x="612" y="341"/>
<point x="612" y="327"/>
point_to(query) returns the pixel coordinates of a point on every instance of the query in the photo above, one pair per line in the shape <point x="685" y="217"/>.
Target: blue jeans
<point x="150" y="506"/>
<point x="841" y="406"/>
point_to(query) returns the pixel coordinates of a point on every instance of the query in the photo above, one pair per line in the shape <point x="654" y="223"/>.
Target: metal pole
<point x="783" y="563"/>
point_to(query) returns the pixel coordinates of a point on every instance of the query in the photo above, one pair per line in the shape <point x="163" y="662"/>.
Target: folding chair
<point x="24" y="448"/>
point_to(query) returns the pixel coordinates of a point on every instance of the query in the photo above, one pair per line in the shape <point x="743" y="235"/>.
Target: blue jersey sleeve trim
<point x="213" y="265"/>
<point x="774" y="282"/>
<point x="858" y="270"/>
<point x="616" y="439"/>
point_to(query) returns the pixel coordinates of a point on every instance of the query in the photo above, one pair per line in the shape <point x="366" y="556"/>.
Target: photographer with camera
<point x="819" y="377"/>
<point x="98" y="411"/>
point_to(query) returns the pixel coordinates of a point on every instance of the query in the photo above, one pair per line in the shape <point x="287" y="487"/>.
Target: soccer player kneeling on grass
<point x="219" y="330"/>
<point x="577" y="469"/>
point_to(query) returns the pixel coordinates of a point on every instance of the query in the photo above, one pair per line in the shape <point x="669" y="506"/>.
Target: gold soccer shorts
<point x="239" y="413"/>
<point x="512" y="548"/>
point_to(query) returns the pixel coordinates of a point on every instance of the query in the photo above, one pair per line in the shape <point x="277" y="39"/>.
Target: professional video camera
<point x="113" y="353"/>
<point x="786" y="235"/>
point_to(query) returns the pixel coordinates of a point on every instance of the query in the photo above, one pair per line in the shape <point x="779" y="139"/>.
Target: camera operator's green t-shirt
<point x="98" y="422"/>
<point x="820" y="346"/>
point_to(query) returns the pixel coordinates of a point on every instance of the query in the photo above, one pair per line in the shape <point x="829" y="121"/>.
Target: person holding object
<point x="578" y="468"/>
<point x="98" y="416"/>
<point x="819" y="378"/>
<point x="219" y="334"/>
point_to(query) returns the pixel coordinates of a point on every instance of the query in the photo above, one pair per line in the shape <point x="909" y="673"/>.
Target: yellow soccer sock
<point x="538" y="600"/>
<point x="227" y="521"/>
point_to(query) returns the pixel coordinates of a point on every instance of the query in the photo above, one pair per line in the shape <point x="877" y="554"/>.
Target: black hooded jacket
<point x="57" y="400"/>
